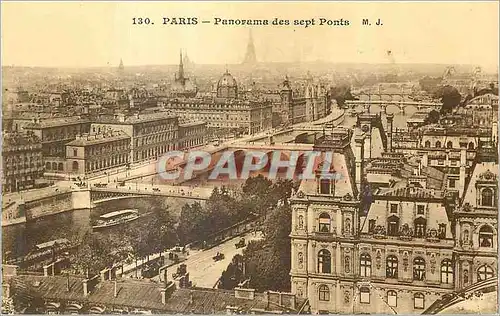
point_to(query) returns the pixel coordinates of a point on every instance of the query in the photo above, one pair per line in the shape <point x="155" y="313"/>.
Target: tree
<point x="341" y="93"/>
<point x="93" y="254"/>
<point x="268" y="261"/>
<point x="432" y="117"/>
<point x="450" y="97"/>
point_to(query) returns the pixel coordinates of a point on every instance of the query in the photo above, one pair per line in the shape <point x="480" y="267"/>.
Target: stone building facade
<point x="89" y="154"/>
<point x="22" y="161"/>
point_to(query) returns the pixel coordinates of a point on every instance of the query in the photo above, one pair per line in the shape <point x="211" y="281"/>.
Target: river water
<point x="19" y="239"/>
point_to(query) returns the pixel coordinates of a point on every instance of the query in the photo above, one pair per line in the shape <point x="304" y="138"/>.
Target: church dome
<point x="227" y="86"/>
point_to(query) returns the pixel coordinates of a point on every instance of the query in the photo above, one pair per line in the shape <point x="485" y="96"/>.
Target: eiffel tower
<point x="250" y="57"/>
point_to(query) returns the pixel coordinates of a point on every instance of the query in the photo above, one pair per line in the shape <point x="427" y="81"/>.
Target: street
<point x="203" y="270"/>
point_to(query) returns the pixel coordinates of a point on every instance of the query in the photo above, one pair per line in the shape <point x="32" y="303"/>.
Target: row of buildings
<point x="82" y="147"/>
<point x="398" y="231"/>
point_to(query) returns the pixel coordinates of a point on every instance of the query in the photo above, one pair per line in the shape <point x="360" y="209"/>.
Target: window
<point x="75" y="165"/>
<point x="427" y="144"/>
<point x="47" y="165"/>
<point x="452" y="183"/>
<point x="392" y="298"/>
<point x="418" y="269"/>
<point x="60" y="166"/>
<point x="486" y="236"/>
<point x="484" y="272"/>
<point x="471" y="146"/>
<point x="324" y="187"/>
<point x="324" y="261"/>
<point x="391" y="270"/>
<point x="371" y="226"/>
<point x="364" y="295"/>
<point x="418" y="299"/>
<point x="449" y="144"/>
<point x="420" y="224"/>
<point x="324" y="293"/>
<point x="446" y="271"/>
<point x="487" y="197"/>
<point x="365" y="265"/>
<point x="442" y="231"/>
<point x="420" y="209"/>
<point x="393" y="226"/>
<point x="394" y="208"/>
<point x="438" y="144"/>
<point x="75" y="152"/>
<point x="324" y="223"/>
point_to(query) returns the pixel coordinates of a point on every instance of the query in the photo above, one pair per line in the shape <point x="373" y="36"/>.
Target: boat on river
<point x="116" y="218"/>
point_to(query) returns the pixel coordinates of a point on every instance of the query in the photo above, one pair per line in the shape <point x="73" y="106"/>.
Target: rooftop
<point x="94" y="139"/>
<point x="55" y="122"/>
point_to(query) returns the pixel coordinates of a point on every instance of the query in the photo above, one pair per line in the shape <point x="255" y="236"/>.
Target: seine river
<point x="20" y="239"/>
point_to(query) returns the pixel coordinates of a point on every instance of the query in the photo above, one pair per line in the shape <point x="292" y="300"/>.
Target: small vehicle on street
<point x="240" y="243"/>
<point x="218" y="257"/>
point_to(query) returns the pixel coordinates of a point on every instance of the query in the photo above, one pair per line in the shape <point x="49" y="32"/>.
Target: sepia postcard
<point x="176" y="157"/>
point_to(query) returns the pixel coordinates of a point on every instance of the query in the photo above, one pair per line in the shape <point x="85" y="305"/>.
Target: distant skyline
<point x="99" y="34"/>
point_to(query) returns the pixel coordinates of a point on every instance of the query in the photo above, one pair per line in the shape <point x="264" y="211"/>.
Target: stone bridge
<point x="136" y="190"/>
<point x="400" y="105"/>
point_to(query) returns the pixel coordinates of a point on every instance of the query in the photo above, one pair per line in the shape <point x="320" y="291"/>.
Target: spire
<point x="250" y="57"/>
<point x="121" y="67"/>
<point x="180" y="74"/>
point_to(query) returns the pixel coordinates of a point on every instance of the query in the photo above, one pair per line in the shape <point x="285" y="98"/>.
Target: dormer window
<point x="324" y="223"/>
<point x="487" y="197"/>
<point x="324" y="186"/>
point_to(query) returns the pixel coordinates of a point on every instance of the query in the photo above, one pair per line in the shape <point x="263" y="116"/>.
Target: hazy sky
<point x="100" y="33"/>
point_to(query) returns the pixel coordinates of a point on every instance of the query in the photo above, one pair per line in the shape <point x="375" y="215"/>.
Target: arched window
<point x="364" y="295"/>
<point x="484" y="272"/>
<point x="60" y="166"/>
<point x="486" y="237"/>
<point x="75" y="165"/>
<point x="418" y="301"/>
<point x="449" y="144"/>
<point x="420" y="224"/>
<point x="324" y="223"/>
<point x="487" y="197"/>
<point x="47" y="165"/>
<point x="54" y="166"/>
<point x="466" y="277"/>
<point x="391" y="270"/>
<point x="365" y="265"/>
<point x="418" y="269"/>
<point x="393" y="226"/>
<point x="438" y="144"/>
<point x="427" y="144"/>
<point x="471" y="146"/>
<point x="446" y="271"/>
<point x="324" y="261"/>
<point x="324" y="293"/>
<point x="392" y="298"/>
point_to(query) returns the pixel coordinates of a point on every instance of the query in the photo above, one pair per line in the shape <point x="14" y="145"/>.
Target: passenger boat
<point x="116" y="218"/>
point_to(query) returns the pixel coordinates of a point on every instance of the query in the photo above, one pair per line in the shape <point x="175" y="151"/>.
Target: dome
<point x="227" y="80"/>
<point x="227" y="86"/>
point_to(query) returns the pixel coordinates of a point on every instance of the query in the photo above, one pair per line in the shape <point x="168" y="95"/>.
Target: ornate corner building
<point x="358" y="246"/>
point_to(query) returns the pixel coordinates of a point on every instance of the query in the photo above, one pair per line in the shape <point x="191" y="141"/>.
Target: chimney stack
<point x="359" y="154"/>
<point x="390" y="118"/>
<point x="85" y="287"/>
<point x="163" y="296"/>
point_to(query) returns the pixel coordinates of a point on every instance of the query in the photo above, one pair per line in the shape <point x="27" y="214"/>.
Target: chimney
<point x="163" y="296"/>
<point x="463" y="164"/>
<point x="85" y="287"/>
<point x="359" y="154"/>
<point x="390" y="118"/>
